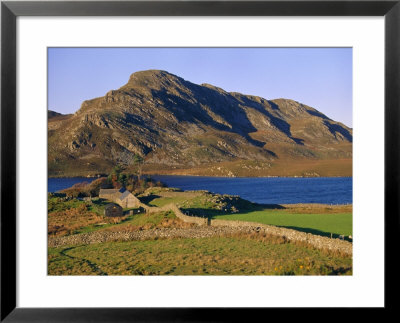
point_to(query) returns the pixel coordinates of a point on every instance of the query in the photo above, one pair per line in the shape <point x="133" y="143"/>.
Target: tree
<point x="117" y="170"/>
<point x="122" y="179"/>
<point x="93" y="189"/>
<point x="116" y="177"/>
<point x="138" y="162"/>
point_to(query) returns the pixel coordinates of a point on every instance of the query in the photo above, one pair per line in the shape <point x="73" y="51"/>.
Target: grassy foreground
<point x="232" y="254"/>
<point x="205" y="256"/>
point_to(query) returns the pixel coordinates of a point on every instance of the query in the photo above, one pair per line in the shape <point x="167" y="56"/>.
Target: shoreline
<point x="211" y="176"/>
<point x="244" y="187"/>
<point x="216" y="176"/>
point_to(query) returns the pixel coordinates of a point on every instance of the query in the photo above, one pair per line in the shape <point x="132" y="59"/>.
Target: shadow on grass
<point x="340" y="271"/>
<point x="254" y="208"/>
<point x="269" y="207"/>
<point x="147" y="199"/>
<point x="129" y="213"/>
<point x="92" y="265"/>
<point x="316" y="232"/>
<point x="100" y="202"/>
<point x="205" y="213"/>
<point x="214" y="213"/>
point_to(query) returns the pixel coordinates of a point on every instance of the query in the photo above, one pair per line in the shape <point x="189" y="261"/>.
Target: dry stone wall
<point x="186" y="218"/>
<point x="206" y="228"/>
<point x="161" y="233"/>
<point x="316" y="241"/>
<point x="172" y="207"/>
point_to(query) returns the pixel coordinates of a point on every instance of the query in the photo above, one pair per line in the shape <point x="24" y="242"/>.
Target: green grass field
<point x="316" y="219"/>
<point x="205" y="256"/>
<point x="229" y="254"/>
<point x="322" y="224"/>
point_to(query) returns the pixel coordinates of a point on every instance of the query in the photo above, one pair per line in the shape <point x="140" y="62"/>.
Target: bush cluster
<point x="116" y="179"/>
<point x="132" y="182"/>
<point x="86" y="189"/>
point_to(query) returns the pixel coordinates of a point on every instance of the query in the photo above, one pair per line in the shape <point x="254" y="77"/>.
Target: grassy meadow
<point x="75" y="217"/>
<point x="232" y="254"/>
<point x="206" y="256"/>
<point x="316" y="223"/>
<point x="313" y="218"/>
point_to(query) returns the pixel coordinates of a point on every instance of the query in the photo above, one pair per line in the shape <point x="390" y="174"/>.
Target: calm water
<point x="57" y="184"/>
<point x="327" y="190"/>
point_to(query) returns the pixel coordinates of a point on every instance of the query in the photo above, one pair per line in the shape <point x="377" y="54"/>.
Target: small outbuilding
<point x="112" y="210"/>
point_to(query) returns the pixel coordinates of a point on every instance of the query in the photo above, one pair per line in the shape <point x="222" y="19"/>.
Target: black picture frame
<point x="10" y="10"/>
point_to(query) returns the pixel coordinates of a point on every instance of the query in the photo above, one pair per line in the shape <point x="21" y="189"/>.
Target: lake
<point x="264" y="190"/>
<point x="57" y="184"/>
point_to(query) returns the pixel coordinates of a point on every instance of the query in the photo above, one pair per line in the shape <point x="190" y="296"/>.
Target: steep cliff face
<point x="175" y="124"/>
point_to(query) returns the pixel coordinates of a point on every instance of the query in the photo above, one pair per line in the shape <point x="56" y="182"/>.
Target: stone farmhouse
<point x="121" y="196"/>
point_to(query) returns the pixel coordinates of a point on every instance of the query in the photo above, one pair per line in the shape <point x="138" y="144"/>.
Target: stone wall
<point x="164" y="233"/>
<point x="179" y="214"/>
<point x="189" y="219"/>
<point x="316" y="241"/>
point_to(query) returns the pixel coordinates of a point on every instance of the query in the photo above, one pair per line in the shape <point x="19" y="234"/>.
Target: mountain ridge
<point x="178" y="126"/>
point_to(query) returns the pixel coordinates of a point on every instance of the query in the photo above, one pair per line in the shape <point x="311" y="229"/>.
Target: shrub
<point x="86" y="189"/>
<point x="115" y="180"/>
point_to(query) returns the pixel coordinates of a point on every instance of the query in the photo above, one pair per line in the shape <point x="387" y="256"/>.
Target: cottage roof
<point x="108" y="190"/>
<point x="125" y="194"/>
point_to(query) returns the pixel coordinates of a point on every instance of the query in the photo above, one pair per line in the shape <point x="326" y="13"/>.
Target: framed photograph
<point x="172" y="160"/>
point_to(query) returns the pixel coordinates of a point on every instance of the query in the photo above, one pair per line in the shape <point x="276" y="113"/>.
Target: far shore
<point x="216" y="176"/>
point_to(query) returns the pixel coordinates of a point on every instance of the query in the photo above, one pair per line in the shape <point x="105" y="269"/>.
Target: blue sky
<point x="318" y="77"/>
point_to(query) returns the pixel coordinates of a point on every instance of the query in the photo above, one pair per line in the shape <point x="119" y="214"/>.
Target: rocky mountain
<point x="52" y="114"/>
<point x="56" y="116"/>
<point x="183" y="128"/>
